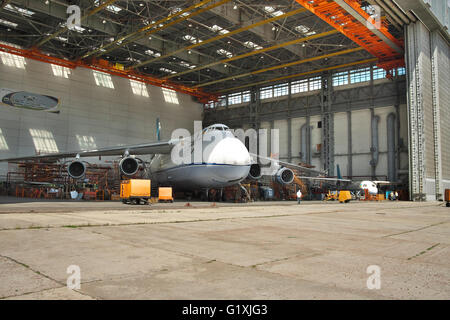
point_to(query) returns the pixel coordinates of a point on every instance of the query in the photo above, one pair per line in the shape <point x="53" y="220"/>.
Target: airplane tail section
<point x="158" y="129"/>
<point x="338" y="169"/>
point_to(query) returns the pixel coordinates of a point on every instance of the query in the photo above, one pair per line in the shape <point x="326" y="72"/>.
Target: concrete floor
<point x="273" y="250"/>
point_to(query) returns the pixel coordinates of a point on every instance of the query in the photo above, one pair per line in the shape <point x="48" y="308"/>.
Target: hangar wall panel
<point x="443" y="78"/>
<point x="91" y="116"/>
<point x="282" y="126"/>
<point x="296" y="126"/>
<point x="428" y="108"/>
<point x="316" y="141"/>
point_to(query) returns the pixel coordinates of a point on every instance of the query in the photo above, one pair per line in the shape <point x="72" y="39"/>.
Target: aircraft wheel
<point x="447" y="204"/>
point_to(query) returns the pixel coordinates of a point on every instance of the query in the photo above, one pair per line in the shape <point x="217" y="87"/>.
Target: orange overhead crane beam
<point x="348" y="17"/>
<point x="107" y="67"/>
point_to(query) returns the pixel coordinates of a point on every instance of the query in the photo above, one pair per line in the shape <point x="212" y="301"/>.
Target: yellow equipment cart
<point x="165" y="194"/>
<point x="135" y="191"/>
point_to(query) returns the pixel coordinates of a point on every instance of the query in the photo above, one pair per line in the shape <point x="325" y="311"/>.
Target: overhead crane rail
<point x="349" y="18"/>
<point x="105" y="66"/>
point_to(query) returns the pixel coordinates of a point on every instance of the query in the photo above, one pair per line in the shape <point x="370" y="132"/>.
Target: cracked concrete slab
<point x="62" y="293"/>
<point x="18" y="279"/>
<point x="279" y="251"/>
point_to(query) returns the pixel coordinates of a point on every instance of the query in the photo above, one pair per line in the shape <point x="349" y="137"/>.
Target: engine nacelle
<point x="255" y="172"/>
<point x="129" y="166"/>
<point x="76" y="169"/>
<point x="284" y="176"/>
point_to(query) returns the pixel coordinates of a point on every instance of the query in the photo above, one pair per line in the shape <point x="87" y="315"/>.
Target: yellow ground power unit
<point x="135" y="191"/>
<point x="344" y="196"/>
<point x="165" y="194"/>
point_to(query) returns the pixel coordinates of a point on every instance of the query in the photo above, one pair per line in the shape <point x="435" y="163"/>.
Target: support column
<point x="327" y="153"/>
<point x="349" y="146"/>
<point x="436" y="115"/>
<point x="419" y="112"/>
<point x="289" y="125"/>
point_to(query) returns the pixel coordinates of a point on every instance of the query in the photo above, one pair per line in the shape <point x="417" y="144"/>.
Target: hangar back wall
<point x="91" y="115"/>
<point x="354" y="109"/>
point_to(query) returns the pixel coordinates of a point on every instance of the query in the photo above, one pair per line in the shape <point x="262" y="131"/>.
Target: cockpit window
<point x="216" y="127"/>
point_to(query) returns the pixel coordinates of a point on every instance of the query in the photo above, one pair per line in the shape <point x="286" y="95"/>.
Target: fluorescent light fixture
<point x="304" y="30"/>
<point x="21" y="11"/>
<point x="272" y="11"/>
<point x="252" y="45"/>
<point x="224" y="52"/>
<point x="62" y="39"/>
<point x="8" y="23"/>
<point x="191" y="39"/>
<point x="187" y="65"/>
<point x="167" y="70"/>
<point x="219" y="29"/>
<point x="111" y="8"/>
<point x="153" y="53"/>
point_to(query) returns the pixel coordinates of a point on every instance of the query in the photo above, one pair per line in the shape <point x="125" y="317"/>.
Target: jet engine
<point x="284" y="176"/>
<point x="76" y="169"/>
<point x="255" y="172"/>
<point x="129" y="166"/>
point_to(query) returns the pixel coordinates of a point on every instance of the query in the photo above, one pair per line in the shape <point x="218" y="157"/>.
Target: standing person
<point x="299" y="196"/>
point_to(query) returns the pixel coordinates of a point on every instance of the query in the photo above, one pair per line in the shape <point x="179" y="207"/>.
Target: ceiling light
<point x="21" y="11"/>
<point x="8" y="23"/>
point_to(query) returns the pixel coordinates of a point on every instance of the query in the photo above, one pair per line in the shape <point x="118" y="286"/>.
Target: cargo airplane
<point x="225" y="161"/>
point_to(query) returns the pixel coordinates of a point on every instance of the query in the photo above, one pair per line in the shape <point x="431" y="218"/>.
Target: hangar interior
<point x="373" y="101"/>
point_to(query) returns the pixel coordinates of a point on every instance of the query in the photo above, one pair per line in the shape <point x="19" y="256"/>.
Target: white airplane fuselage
<point x="225" y="162"/>
<point x="370" y="186"/>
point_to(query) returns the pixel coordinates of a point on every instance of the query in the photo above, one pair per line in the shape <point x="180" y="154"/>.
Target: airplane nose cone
<point x="229" y="151"/>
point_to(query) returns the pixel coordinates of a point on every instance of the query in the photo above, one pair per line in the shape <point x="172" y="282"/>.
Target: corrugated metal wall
<point x="97" y="115"/>
<point x="443" y="76"/>
<point x="428" y="111"/>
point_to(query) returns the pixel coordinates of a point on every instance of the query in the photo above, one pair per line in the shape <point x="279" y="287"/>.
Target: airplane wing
<point x="301" y="168"/>
<point x="160" y="147"/>
<point x="286" y="164"/>
<point x="325" y="179"/>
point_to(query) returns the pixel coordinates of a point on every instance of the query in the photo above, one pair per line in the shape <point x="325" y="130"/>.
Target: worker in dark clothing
<point x="299" y="196"/>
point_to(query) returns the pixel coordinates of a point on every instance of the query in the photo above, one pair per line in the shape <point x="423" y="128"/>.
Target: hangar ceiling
<point x="210" y="45"/>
